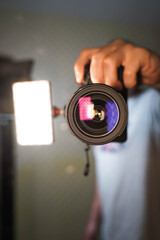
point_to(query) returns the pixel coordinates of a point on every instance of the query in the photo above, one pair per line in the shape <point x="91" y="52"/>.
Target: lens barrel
<point x="96" y="114"/>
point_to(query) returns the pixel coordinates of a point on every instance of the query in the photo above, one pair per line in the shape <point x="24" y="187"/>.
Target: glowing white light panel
<point x="33" y="112"/>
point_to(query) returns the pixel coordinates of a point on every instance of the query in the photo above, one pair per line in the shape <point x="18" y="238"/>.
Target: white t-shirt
<point x="128" y="174"/>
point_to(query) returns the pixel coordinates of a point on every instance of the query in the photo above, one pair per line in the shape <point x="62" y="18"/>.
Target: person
<point x="127" y="188"/>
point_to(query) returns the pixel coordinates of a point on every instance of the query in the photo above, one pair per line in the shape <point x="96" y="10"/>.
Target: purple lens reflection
<point x="112" y="115"/>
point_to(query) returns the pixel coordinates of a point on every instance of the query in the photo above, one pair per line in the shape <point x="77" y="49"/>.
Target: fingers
<point x="110" y="67"/>
<point x="150" y="66"/>
<point x="96" y="68"/>
<point x="96" y="57"/>
<point x="79" y="66"/>
<point x="130" y="76"/>
<point x="105" y="62"/>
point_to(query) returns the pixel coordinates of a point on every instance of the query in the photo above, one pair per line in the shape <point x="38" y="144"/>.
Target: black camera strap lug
<point x="87" y="166"/>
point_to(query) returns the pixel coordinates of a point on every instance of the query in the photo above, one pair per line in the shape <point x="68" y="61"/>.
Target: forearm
<point x="96" y="206"/>
<point x="93" y="221"/>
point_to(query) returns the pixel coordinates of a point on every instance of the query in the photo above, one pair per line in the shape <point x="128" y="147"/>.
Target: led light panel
<point x="33" y="112"/>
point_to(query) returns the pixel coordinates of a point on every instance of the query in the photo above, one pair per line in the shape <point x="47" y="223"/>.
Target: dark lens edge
<point x="118" y="99"/>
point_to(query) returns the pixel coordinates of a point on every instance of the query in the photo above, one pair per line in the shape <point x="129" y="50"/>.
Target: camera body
<point x="96" y="113"/>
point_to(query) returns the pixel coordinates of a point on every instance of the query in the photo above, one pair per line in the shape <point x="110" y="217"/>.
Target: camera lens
<point x="96" y="114"/>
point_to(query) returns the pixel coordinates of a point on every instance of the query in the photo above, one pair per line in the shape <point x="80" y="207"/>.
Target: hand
<point x="106" y="60"/>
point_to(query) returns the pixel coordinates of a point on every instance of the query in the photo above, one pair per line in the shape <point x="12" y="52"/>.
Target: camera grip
<point x="87" y="78"/>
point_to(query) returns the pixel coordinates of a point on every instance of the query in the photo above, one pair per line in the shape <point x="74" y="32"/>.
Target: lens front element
<point x="96" y="114"/>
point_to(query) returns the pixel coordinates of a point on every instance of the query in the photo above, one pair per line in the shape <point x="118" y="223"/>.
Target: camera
<point x="96" y="113"/>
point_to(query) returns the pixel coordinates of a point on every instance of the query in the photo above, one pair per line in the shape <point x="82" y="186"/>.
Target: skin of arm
<point x="94" y="217"/>
<point x="106" y="60"/>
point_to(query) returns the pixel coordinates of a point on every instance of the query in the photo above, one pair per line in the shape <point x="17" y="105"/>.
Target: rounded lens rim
<point x="109" y="92"/>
